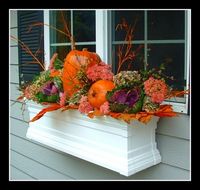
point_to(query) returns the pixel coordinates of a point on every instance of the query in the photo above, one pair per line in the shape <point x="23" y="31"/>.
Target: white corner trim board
<point x="110" y="143"/>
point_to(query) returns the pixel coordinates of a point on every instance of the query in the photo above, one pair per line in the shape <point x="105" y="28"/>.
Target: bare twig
<point x="27" y="50"/>
<point x="129" y="55"/>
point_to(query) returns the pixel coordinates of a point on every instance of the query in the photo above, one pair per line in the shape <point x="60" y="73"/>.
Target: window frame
<point x="104" y="45"/>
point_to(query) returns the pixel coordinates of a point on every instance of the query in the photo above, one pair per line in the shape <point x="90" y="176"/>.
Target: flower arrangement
<point x="84" y="82"/>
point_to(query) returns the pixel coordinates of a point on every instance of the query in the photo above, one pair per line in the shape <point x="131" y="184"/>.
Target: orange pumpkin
<point x="97" y="92"/>
<point x="75" y="60"/>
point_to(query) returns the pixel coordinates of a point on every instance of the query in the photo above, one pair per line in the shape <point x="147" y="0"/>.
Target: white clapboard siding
<point x="67" y="164"/>
<point x="162" y="172"/>
<point x="175" y="126"/>
<point x="14" y="60"/>
<point x="19" y="127"/>
<point x="16" y="174"/>
<point x="178" y="149"/>
<point x="14" y="73"/>
<point x="15" y="93"/>
<point x="13" y="32"/>
<point x="16" y="111"/>
<point x="13" y="18"/>
<point x="35" y="169"/>
<point x="31" y="160"/>
<point x="174" y="151"/>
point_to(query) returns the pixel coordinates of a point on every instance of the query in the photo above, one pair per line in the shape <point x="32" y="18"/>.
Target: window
<point x="82" y="27"/>
<point x="165" y="35"/>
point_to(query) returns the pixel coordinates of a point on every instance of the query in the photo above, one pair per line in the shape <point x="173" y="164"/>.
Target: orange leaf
<point x="20" y="98"/>
<point x="176" y="93"/>
<point x="43" y="111"/>
<point x="145" y="119"/>
<point x="68" y="107"/>
<point x="165" y="111"/>
<point x="55" y="73"/>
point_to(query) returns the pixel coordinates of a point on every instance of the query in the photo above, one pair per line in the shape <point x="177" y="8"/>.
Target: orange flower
<point x="156" y="89"/>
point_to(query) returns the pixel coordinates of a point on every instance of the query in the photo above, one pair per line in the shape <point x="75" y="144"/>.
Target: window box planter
<point x="110" y="143"/>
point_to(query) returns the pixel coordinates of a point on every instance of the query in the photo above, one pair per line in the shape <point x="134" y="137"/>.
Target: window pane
<point x="165" y="25"/>
<point x="84" y="26"/>
<point x="130" y="17"/>
<point x="173" y="54"/>
<point x="137" y="64"/>
<point x="61" y="50"/>
<point x="56" y="20"/>
<point x="64" y="50"/>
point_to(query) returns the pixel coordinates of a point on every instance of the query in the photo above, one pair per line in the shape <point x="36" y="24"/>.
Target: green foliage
<point x="58" y="82"/>
<point x="58" y="64"/>
<point x="148" y="105"/>
<point x="77" y="96"/>
<point x="131" y="78"/>
<point x="44" y="98"/>
<point x="81" y="76"/>
<point x="116" y="107"/>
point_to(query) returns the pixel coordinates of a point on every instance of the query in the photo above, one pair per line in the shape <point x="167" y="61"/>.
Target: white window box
<point x="104" y="141"/>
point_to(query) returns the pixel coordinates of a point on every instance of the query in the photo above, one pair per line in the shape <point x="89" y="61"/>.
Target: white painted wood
<point x="16" y="111"/>
<point x="35" y="169"/>
<point x="171" y="155"/>
<point x="101" y="34"/>
<point x="46" y="39"/>
<point x="13" y="18"/>
<point x="175" y="126"/>
<point x="14" y="92"/>
<point x="16" y="174"/>
<point x="13" y="32"/>
<point x="18" y="127"/>
<point x="65" y="163"/>
<point x="80" y="169"/>
<point x="162" y="172"/>
<point x="188" y="58"/>
<point x="107" y="142"/>
<point x="14" y="58"/>
<point x="14" y="73"/>
<point x="174" y="151"/>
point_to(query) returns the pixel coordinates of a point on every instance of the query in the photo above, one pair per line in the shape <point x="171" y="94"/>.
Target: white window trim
<point x="46" y="39"/>
<point x="103" y="47"/>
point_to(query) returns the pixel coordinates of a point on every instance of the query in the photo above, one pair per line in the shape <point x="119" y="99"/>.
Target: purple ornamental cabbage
<point x="126" y="97"/>
<point x="132" y="97"/>
<point x="49" y="89"/>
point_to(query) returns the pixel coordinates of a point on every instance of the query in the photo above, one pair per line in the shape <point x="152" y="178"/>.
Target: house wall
<point x="30" y="160"/>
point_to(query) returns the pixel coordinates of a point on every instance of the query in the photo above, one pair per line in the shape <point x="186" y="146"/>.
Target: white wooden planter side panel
<point x="65" y="163"/>
<point x="176" y="155"/>
<point x="103" y="141"/>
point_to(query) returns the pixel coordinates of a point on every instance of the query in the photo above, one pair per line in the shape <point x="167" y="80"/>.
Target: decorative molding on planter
<point x="104" y="141"/>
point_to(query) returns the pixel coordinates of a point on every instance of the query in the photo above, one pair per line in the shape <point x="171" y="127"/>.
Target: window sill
<point x="104" y="141"/>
